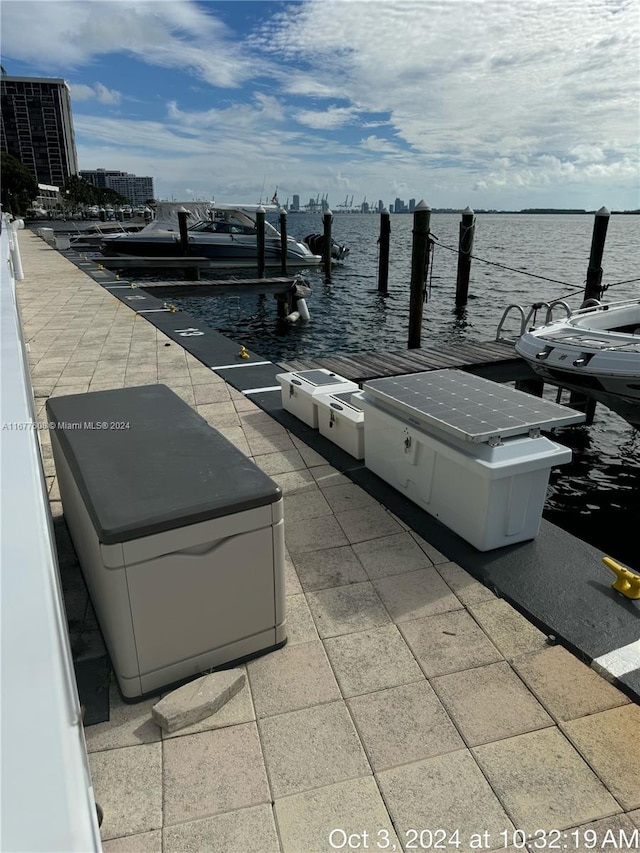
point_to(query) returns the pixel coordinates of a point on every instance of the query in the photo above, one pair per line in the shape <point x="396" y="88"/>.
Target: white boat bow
<point x="595" y="350"/>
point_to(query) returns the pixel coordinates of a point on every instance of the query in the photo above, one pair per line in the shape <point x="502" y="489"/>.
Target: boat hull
<point x="237" y="253"/>
<point x="594" y="352"/>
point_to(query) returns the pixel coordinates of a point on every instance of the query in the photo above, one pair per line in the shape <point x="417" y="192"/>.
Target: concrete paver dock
<point x="411" y="708"/>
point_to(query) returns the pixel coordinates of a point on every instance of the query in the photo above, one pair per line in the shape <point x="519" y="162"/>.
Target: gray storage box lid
<point x="144" y="462"/>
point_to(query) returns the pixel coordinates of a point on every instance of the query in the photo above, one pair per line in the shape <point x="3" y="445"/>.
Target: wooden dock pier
<point x="495" y="360"/>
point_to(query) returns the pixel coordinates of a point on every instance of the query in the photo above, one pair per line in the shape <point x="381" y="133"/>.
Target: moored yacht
<point x="225" y="234"/>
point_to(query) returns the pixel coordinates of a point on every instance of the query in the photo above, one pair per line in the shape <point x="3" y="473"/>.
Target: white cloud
<point x="328" y="119"/>
<point x="68" y="34"/>
<point x="98" y="92"/>
<point x="382" y="146"/>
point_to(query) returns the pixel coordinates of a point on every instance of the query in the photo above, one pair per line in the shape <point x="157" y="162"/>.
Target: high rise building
<point x="296" y="203"/>
<point x="37" y="127"/>
<point x="135" y="189"/>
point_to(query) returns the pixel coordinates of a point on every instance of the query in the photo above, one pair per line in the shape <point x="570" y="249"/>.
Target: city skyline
<point x="495" y="105"/>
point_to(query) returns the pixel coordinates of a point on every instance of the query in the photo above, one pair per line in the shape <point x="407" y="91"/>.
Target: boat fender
<point x="293" y="317"/>
<point x="303" y="309"/>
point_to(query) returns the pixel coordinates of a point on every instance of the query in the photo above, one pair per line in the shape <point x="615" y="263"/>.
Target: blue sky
<point x="487" y="103"/>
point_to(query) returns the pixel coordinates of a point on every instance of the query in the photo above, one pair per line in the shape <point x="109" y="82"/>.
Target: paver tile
<point x="610" y="742"/>
<point x="250" y="830"/>
<point x="432" y="553"/>
<point x="346" y="609"/>
<point x="277" y="463"/>
<point x="390" y="555"/>
<point x="300" y="625"/>
<point x="329" y="568"/>
<point x="634" y="817"/>
<point x="291" y="581"/>
<point x="567" y="687"/>
<point x="403" y="724"/>
<point x="327" y="476"/>
<point x="371" y="660"/>
<point x="510" y="632"/>
<point x="294" y="482"/>
<point x="311" y="748"/>
<point x="128" y="724"/>
<point x="127" y="784"/>
<point x="278" y="442"/>
<point x="314" y="821"/>
<point x="346" y="496"/>
<point x="147" y="842"/>
<point x="315" y="534"/>
<point x="449" y="642"/>
<point x="371" y="522"/>
<point x="212" y="772"/>
<point x="490" y="703"/>
<point x="291" y="678"/>
<point x="309" y="504"/>
<point x="447" y="793"/>
<point x="413" y="595"/>
<point x="543" y="782"/>
<point x="466" y="587"/>
<point x="611" y="833"/>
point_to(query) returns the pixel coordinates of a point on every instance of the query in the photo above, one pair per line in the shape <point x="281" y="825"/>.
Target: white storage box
<point x="341" y="420"/>
<point x="299" y="391"/>
<point x="465" y="449"/>
<point x="180" y="537"/>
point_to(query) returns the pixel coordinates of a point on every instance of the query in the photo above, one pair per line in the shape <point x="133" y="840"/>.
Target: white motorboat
<point x="226" y="234"/>
<point x="594" y="350"/>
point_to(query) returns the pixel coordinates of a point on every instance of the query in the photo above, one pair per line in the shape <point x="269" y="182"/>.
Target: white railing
<point x="47" y="801"/>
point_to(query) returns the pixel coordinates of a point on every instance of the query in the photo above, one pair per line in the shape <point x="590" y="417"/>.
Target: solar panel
<point x="468" y="406"/>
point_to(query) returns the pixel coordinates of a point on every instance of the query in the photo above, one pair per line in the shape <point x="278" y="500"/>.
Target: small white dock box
<point x="341" y="420"/>
<point x="180" y="537"/>
<point x="466" y="449"/>
<point x="299" y="390"/>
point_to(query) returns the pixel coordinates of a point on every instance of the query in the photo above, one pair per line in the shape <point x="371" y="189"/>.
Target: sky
<point x="495" y="104"/>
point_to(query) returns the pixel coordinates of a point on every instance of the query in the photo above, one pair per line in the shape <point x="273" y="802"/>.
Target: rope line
<point x="505" y="267"/>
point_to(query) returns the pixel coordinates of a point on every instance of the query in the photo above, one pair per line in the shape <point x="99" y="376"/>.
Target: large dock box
<point x="300" y="389"/>
<point x="341" y="420"/>
<point x="179" y="535"/>
<point x="465" y="449"/>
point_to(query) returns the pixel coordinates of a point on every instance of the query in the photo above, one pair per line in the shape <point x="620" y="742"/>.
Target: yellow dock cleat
<point x="628" y="582"/>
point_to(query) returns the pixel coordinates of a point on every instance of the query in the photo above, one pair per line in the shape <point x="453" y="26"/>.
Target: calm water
<point x="597" y="496"/>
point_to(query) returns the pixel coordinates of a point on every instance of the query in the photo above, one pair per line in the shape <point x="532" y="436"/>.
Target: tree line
<point x="19" y="189"/>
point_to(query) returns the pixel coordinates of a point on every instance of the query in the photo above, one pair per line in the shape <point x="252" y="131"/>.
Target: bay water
<point x="596" y="496"/>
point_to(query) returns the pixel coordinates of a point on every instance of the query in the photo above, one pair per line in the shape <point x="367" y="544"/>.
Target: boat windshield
<point x="221" y="227"/>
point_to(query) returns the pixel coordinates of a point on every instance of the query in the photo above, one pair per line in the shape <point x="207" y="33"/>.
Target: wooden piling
<point x="283" y="242"/>
<point x="184" y="231"/>
<point x="383" y="257"/>
<point x="465" y="248"/>
<point x="260" y="216"/>
<point x="327" y="219"/>
<point x="191" y="272"/>
<point x="419" y="271"/>
<point x="593" y="289"/>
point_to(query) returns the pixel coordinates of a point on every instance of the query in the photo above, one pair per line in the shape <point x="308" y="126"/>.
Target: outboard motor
<point x="315" y="242"/>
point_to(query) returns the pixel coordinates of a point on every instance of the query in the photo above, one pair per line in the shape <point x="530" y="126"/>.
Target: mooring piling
<point x="184" y="231"/>
<point x="419" y="271"/>
<point x="593" y="288"/>
<point x="283" y="242"/>
<point x="191" y="272"/>
<point x="465" y="248"/>
<point x="327" y="219"/>
<point x="383" y="257"/>
<point x="260" y="217"/>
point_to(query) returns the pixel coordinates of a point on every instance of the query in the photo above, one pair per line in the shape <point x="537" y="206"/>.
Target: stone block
<point x="199" y="699"/>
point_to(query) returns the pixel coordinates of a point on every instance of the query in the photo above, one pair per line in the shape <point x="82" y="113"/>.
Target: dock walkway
<point x="410" y="698"/>
<point x="465" y="355"/>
